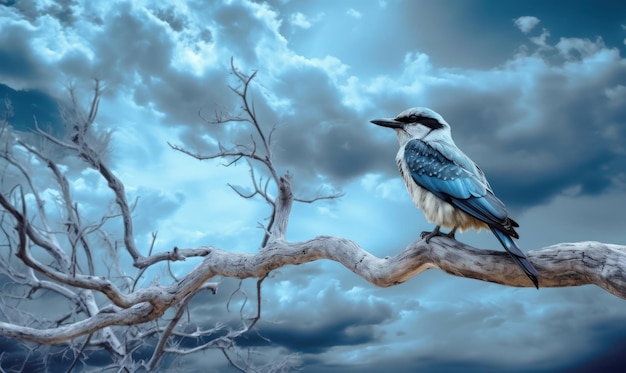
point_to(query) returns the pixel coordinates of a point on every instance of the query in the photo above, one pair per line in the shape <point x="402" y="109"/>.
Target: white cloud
<point x="542" y="40"/>
<point x="526" y="23"/>
<point x="299" y="20"/>
<point x="354" y="13"/>
<point x="577" y="47"/>
<point x="391" y="189"/>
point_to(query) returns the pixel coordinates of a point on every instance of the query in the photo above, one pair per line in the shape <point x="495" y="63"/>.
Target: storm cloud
<point x="534" y="93"/>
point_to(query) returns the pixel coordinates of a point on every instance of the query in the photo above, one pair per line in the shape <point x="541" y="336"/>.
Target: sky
<point x="535" y="93"/>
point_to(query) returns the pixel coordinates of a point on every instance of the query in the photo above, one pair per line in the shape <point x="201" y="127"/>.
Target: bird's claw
<point x="436" y="232"/>
<point x="428" y="235"/>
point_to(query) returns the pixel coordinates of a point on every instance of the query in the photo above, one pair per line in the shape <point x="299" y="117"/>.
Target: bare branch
<point x="82" y="140"/>
<point x="559" y="265"/>
<point x="569" y="264"/>
<point x="158" y="351"/>
<point x="231" y="362"/>
<point x="77" y="234"/>
<point x="320" y="197"/>
<point x="175" y="255"/>
<point x="236" y="155"/>
<point x="79" y="353"/>
<point x="134" y="315"/>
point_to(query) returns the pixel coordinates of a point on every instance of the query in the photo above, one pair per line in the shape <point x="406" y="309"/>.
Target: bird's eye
<point x="415" y="119"/>
<point x="412" y="118"/>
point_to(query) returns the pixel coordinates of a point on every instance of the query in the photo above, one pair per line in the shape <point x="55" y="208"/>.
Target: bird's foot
<point x="428" y="235"/>
<point x="437" y="232"/>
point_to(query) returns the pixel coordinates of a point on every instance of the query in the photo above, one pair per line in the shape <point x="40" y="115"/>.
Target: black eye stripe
<point x="410" y="119"/>
<point x="431" y="123"/>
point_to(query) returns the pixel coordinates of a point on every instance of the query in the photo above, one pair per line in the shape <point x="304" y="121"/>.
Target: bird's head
<point x="417" y="123"/>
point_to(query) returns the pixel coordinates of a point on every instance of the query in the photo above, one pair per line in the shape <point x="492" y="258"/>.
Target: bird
<point x="447" y="186"/>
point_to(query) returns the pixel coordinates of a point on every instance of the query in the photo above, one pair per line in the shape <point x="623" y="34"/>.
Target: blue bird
<point x="447" y="185"/>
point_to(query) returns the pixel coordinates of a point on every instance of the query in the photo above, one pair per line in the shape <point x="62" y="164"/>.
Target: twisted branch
<point x="565" y="264"/>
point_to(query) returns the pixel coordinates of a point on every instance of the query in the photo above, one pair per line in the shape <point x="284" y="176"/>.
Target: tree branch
<point x="566" y="264"/>
<point x="134" y="315"/>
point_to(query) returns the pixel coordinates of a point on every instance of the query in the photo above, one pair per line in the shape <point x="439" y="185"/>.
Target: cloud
<point x="526" y="23"/>
<point x="519" y="112"/>
<point x="542" y="40"/>
<point x="21" y="67"/>
<point x="334" y="324"/>
<point x="513" y="119"/>
<point x="344" y="316"/>
<point x="176" y="66"/>
<point x="299" y="20"/>
<point x="354" y="13"/>
<point x="322" y="109"/>
<point x="545" y="123"/>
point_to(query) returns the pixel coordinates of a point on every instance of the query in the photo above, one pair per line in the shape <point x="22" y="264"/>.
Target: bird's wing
<point x="455" y="184"/>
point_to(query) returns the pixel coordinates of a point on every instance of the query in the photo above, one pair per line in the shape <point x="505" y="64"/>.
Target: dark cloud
<point x="324" y="137"/>
<point x="407" y="363"/>
<point x="609" y="338"/>
<point x="18" y="63"/>
<point x="292" y="319"/>
<point x="147" y="48"/>
<point x="538" y="128"/>
<point x="350" y="332"/>
<point x="566" y="144"/>
<point x="44" y="358"/>
<point x="604" y="341"/>
<point x="339" y="150"/>
<point x="539" y="121"/>
<point x="173" y="18"/>
<point x="61" y="10"/>
<point x="241" y="29"/>
<point x="15" y="357"/>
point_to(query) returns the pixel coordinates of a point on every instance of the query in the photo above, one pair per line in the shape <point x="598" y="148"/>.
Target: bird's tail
<point x="517" y="255"/>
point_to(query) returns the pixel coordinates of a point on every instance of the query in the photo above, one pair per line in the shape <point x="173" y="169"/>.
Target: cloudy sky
<point x="535" y="93"/>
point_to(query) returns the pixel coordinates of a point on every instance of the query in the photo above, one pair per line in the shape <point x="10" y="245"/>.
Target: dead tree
<point x="37" y="256"/>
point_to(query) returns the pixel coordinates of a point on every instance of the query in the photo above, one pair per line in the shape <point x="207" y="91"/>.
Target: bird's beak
<point x="388" y="122"/>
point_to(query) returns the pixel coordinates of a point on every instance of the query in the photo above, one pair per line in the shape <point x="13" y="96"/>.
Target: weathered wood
<point x="565" y="264"/>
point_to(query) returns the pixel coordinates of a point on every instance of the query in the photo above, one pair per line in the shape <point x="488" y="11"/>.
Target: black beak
<point x="388" y="122"/>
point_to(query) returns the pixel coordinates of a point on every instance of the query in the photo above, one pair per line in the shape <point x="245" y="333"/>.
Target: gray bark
<point x="566" y="264"/>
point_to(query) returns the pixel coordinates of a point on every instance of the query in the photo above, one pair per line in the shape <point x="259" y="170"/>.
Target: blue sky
<point x="535" y="93"/>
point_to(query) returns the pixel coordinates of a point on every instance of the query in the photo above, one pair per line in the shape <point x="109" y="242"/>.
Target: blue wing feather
<point x="457" y="180"/>
<point x="453" y="183"/>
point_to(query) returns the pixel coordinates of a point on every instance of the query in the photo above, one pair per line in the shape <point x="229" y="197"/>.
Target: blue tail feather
<point x="517" y="255"/>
